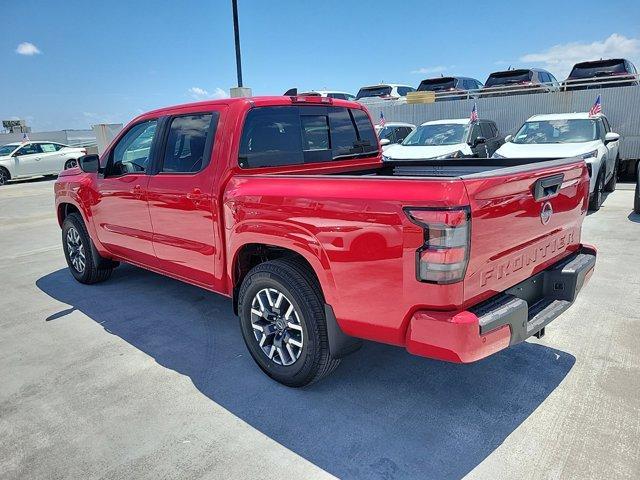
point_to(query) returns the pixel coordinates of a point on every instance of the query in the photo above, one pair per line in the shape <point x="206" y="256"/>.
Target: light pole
<point x="240" y="90"/>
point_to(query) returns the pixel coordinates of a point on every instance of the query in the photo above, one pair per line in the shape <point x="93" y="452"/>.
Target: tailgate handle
<point x="547" y="187"/>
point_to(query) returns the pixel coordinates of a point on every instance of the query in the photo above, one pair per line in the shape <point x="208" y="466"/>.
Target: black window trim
<point x="338" y="158"/>
<point x="152" y="151"/>
<point x="165" y="128"/>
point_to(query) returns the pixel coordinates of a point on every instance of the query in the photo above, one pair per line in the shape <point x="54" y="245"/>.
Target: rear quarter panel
<point x="355" y="235"/>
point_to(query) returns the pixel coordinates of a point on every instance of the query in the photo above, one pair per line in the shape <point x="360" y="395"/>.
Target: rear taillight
<point x="444" y="256"/>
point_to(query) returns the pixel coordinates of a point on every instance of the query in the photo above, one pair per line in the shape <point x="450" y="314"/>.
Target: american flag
<point x="474" y="114"/>
<point x="597" y="108"/>
<point x="381" y="122"/>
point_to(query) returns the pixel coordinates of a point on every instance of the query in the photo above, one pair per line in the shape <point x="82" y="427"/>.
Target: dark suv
<point x="519" y="81"/>
<point x="449" y="88"/>
<point x="615" y="72"/>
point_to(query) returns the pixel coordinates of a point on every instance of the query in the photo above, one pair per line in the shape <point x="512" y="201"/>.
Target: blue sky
<point x="72" y="64"/>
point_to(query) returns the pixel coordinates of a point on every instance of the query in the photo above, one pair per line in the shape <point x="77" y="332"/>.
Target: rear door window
<point x="275" y="136"/>
<point x="186" y="149"/>
<point x="48" y="148"/>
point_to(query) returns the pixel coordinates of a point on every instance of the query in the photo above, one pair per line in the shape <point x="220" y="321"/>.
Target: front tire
<point x="598" y="193"/>
<point x="84" y="262"/>
<point x="4" y="176"/>
<point x="283" y="323"/>
<point x="611" y="184"/>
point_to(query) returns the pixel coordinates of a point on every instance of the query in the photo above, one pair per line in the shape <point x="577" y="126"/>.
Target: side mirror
<point x="479" y="141"/>
<point x="89" y="163"/>
<point x="384" y="142"/>
<point x="611" y="137"/>
<point x="508" y="138"/>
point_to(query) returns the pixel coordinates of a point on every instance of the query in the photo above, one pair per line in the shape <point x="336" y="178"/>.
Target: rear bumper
<point x="505" y="319"/>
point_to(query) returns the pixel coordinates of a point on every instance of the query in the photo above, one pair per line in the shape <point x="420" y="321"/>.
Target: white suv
<point x="28" y="159"/>
<point x="570" y="135"/>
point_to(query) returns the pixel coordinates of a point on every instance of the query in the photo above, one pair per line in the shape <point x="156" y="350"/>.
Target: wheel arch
<point x="64" y="209"/>
<point x="8" y="170"/>
<point x="250" y="254"/>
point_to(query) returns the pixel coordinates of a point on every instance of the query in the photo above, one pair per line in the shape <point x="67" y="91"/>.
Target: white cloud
<point x="560" y="58"/>
<point x="198" y="93"/>
<point x="27" y="48"/>
<point x="431" y="70"/>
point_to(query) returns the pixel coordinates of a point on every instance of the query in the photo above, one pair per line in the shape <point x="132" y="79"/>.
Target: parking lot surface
<point x="147" y="377"/>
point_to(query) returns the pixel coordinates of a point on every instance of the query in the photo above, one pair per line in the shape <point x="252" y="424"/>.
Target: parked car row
<point x="28" y="159"/>
<point x="585" y="75"/>
<point x="541" y="136"/>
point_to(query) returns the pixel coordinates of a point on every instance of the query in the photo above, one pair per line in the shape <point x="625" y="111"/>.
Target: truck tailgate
<point x="522" y="220"/>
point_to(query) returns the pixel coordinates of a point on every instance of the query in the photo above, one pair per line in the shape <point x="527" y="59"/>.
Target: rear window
<point x="292" y="135"/>
<point x="508" y="77"/>
<point x="437" y="84"/>
<point x="598" y="69"/>
<point x="373" y="92"/>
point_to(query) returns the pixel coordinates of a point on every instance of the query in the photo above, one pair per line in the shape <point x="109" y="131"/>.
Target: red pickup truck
<point x="284" y="205"/>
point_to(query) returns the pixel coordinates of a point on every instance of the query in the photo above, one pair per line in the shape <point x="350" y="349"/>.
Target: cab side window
<point x="29" y="149"/>
<point x="186" y="149"/>
<point x="132" y="154"/>
<point x="48" y="147"/>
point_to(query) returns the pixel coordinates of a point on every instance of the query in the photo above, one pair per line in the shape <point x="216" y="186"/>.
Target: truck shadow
<point x="382" y="414"/>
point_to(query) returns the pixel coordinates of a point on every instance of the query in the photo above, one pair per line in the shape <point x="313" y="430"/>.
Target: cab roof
<point x="258" y="101"/>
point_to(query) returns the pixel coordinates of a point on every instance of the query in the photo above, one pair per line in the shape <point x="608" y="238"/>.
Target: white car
<point x="381" y="92"/>
<point x="28" y="159"/>
<point x="393" y="132"/>
<point x="570" y="135"/>
<point x="439" y="139"/>
<point x="330" y="94"/>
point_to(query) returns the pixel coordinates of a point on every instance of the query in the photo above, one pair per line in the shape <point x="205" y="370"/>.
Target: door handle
<point x="196" y="196"/>
<point x="137" y="192"/>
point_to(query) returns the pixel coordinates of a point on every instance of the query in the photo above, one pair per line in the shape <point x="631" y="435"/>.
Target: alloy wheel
<point x="75" y="248"/>
<point x="3" y="177"/>
<point x="71" y="164"/>
<point x="276" y="326"/>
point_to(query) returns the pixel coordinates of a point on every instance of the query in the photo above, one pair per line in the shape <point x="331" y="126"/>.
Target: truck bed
<point x="460" y="168"/>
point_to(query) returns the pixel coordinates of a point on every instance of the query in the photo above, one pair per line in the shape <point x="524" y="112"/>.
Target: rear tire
<point x="598" y="193"/>
<point x="85" y="264"/>
<point x="281" y="302"/>
<point x="611" y="184"/>
<point x="70" y="163"/>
